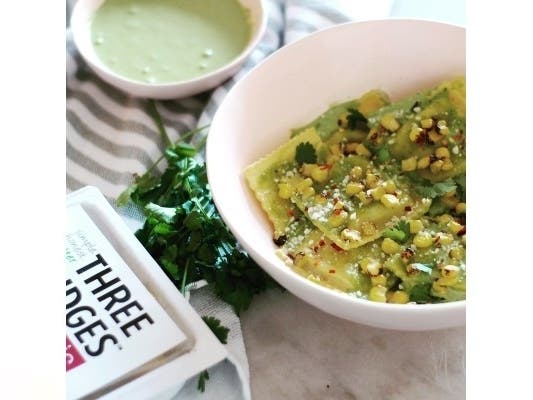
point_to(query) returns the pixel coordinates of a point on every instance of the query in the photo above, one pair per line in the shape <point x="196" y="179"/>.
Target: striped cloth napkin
<point x="110" y="136"/>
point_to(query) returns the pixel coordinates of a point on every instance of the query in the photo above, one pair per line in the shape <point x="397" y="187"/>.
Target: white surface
<point x="80" y="24"/>
<point x="292" y="87"/>
<point x="205" y="350"/>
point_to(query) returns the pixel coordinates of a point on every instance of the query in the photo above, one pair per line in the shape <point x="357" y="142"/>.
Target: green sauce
<point x="160" y="41"/>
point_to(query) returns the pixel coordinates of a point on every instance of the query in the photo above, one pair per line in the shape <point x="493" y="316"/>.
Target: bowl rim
<point x="257" y="32"/>
<point x="265" y="264"/>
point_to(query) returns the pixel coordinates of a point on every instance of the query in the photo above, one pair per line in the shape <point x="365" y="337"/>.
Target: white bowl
<point x="291" y="88"/>
<point x="80" y="24"/>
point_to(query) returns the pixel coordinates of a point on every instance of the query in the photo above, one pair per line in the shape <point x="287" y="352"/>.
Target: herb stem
<point x="184" y="279"/>
<point x="152" y="111"/>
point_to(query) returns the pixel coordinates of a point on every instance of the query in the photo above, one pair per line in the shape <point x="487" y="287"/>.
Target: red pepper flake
<point x="436" y="240"/>
<point x="336" y="247"/>
<point x="331" y="271"/>
<point x="462" y="231"/>
<point x="321" y="243"/>
<point x="326" y="166"/>
<point x="408" y="208"/>
<point x="337" y="211"/>
<point x="290" y="213"/>
<point x="290" y="256"/>
<point x="335" y="200"/>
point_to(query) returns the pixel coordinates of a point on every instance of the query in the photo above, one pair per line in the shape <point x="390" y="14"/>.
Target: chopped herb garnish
<point x="383" y="154"/>
<point x="432" y="190"/>
<point x="356" y="120"/>
<point x="421" y="294"/>
<point x="399" y="232"/>
<point x="184" y="232"/>
<point x="220" y="331"/>
<point x="202" y="378"/>
<point x="305" y="154"/>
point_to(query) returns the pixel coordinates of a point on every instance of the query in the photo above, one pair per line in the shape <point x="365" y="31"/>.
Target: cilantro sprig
<point x="399" y="232"/>
<point x="184" y="232"/>
<point x="305" y="154"/>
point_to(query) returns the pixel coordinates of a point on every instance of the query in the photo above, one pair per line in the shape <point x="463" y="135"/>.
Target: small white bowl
<point x="80" y="24"/>
<point x="291" y="88"/>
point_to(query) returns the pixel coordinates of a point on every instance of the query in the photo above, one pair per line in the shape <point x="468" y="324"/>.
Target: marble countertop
<point x="296" y="351"/>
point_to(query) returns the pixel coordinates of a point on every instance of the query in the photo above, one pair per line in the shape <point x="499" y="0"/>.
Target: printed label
<point x="113" y="324"/>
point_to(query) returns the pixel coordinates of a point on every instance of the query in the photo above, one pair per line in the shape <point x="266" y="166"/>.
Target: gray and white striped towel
<point x="110" y="136"/>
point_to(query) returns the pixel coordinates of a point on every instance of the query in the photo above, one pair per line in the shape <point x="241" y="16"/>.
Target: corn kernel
<point x="436" y="166"/>
<point x="339" y="205"/>
<point x="423" y="162"/>
<point x="426" y="123"/>
<point x="399" y="297"/>
<point x="457" y="253"/>
<point x="371" y="180"/>
<point x="378" y="293"/>
<point x="369" y="265"/>
<point x="319" y="174"/>
<point x="389" y="246"/>
<point x="307" y="182"/>
<point x="450" y="201"/>
<point x="460" y="208"/>
<point x="445" y="238"/>
<point x="319" y="199"/>
<point x="308" y="192"/>
<point x="444" y="219"/>
<point x="414" y="133"/>
<point x="422" y="240"/>
<point x="337" y="218"/>
<point x="377" y="193"/>
<point x="368" y="228"/>
<point x="356" y="172"/>
<point x="389" y="122"/>
<point x="285" y="191"/>
<point x="390" y="200"/>
<point x="363" y="198"/>
<point x="362" y="150"/>
<point x="351" y="147"/>
<point x="444" y="131"/>
<point x="415" y="226"/>
<point x="450" y="270"/>
<point x="441" y="124"/>
<point x="409" y="164"/>
<point x="350" y="235"/>
<point x="448" y="280"/>
<point x="389" y="186"/>
<point x="447" y="164"/>
<point x="353" y="188"/>
<point x="307" y="169"/>
<point x="454" y="226"/>
<point x="378" y="280"/>
<point x="434" y="136"/>
<point x="438" y="289"/>
<point x="442" y="152"/>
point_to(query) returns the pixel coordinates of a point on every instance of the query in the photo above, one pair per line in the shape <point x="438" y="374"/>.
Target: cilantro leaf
<point x="305" y="153"/>
<point x="202" y="378"/>
<point x="421" y="294"/>
<point x="220" y="331"/>
<point x="399" y="232"/>
<point x="431" y="190"/>
<point x="186" y="235"/>
<point x="356" y="120"/>
<point x="383" y="154"/>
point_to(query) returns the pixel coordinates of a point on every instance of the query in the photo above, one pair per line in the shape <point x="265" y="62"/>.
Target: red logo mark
<point x="74" y="358"/>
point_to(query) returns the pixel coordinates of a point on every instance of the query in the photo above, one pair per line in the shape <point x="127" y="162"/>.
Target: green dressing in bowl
<point x="162" y="41"/>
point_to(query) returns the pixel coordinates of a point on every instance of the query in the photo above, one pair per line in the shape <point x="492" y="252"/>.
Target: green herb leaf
<point x="421" y="294"/>
<point x="305" y="154"/>
<point x="431" y="190"/>
<point x="185" y="234"/>
<point x="383" y="154"/>
<point x="356" y="120"/>
<point x="202" y="378"/>
<point x="220" y="331"/>
<point x="399" y="232"/>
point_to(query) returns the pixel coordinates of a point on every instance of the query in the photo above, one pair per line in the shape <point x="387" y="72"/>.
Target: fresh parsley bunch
<point x="185" y="234"/>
